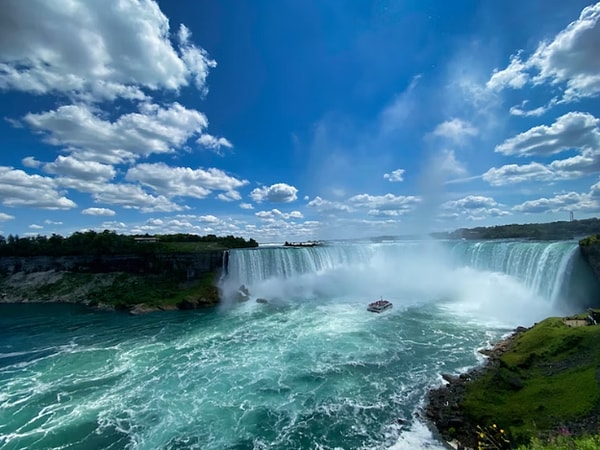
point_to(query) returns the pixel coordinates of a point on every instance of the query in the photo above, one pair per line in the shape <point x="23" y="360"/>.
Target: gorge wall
<point x="187" y="265"/>
<point x="590" y="250"/>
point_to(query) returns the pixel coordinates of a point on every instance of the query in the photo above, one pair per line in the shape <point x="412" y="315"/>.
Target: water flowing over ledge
<point x="553" y="271"/>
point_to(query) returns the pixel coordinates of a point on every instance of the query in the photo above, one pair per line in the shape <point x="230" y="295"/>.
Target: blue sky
<point x="293" y="120"/>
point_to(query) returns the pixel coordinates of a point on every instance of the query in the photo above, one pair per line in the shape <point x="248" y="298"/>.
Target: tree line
<point x="561" y="230"/>
<point x="111" y="243"/>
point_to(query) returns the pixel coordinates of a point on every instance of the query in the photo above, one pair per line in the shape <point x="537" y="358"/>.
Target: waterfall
<point x="415" y="268"/>
<point x="542" y="266"/>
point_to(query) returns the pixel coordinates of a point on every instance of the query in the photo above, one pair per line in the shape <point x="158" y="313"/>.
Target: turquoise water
<point x="311" y="370"/>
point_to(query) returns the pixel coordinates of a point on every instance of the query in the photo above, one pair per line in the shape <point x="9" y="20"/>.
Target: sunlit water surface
<point x="311" y="370"/>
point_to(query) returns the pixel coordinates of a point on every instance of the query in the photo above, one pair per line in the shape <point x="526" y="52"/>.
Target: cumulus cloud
<point x="155" y="129"/>
<point x="35" y="226"/>
<point x="455" y="130"/>
<point x="277" y="193"/>
<point x="328" y="206"/>
<point x="574" y="130"/>
<point x="246" y="206"/>
<point x="5" y="217"/>
<point x="18" y="188"/>
<point x="514" y="173"/>
<point x="98" y="212"/>
<point x="276" y="214"/>
<point x="213" y="143"/>
<point x="473" y="207"/>
<point x="98" y="51"/>
<point x="570" y="60"/>
<point x="85" y="171"/>
<point x="562" y="202"/>
<point x="131" y="196"/>
<point x="31" y="162"/>
<point x="184" y="181"/>
<point x="387" y="205"/>
<point x="395" y="176"/>
<point x="208" y="219"/>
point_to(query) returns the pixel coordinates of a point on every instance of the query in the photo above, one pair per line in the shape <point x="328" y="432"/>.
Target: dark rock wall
<point x="591" y="254"/>
<point x="188" y="266"/>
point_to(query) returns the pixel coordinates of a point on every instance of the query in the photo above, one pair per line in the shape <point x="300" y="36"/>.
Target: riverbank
<point x="106" y="291"/>
<point x="536" y="383"/>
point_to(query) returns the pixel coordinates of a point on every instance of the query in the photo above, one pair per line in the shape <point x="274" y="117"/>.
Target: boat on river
<point x="379" y="306"/>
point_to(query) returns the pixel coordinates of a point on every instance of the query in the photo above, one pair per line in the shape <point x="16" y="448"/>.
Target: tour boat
<point x="379" y="306"/>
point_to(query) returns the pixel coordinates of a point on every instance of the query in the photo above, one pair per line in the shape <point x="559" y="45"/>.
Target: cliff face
<point x="590" y="250"/>
<point x="182" y="265"/>
<point x="139" y="283"/>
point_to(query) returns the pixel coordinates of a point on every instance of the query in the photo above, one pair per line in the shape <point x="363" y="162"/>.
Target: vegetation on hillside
<point x="111" y="243"/>
<point x="546" y="381"/>
<point x="536" y="231"/>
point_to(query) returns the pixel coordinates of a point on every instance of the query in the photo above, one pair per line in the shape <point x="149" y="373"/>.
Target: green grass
<point x="547" y="379"/>
<point x="562" y="442"/>
<point x="129" y="290"/>
<point x="593" y="239"/>
<point x="121" y="290"/>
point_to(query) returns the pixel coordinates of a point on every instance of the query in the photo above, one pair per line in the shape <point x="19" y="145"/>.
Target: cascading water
<point x="407" y="271"/>
<point x="309" y="369"/>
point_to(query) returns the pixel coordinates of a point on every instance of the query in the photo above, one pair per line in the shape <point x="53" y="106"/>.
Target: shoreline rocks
<point x="443" y="410"/>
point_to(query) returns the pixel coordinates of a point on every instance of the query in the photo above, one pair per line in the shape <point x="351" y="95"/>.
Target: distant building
<point x="146" y="239"/>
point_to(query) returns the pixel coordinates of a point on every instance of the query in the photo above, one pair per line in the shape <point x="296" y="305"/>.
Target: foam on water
<point x="312" y="369"/>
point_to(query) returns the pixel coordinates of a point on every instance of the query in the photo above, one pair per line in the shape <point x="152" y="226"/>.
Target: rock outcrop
<point x="590" y="251"/>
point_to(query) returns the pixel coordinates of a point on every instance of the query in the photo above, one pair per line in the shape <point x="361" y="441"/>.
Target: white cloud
<point x="52" y="222"/>
<point x="378" y="204"/>
<point x="276" y="214"/>
<point x="514" y="173"/>
<point x="455" y="130"/>
<point x="574" y="130"/>
<point x="98" y="50"/>
<point x="514" y="76"/>
<point x="520" y="110"/>
<point x="229" y="196"/>
<point x="395" y="176"/>
<point x="184" y="181"/>
<point x="155" y="129"/>
<point x="85" y="171"/>
<point x="31" y="162"/>
<point x="213" y="143"/>
<point x="246" y="206"/>
<point x="571" y="60"/>
<point x="131" y="196"/>
<point x="5" y="217"/>
<point x="277" y="193"/>
<point x="35" y="226"/>
<point x="98" y="212"/>
<point x="327" y="206"/>
<point x="562" y="202"/>
<point x="18" y="188"/>
<point x="208" y="219"/>
<point x="473" y="207"/>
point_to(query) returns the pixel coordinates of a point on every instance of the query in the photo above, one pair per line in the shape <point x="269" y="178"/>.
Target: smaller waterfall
<point x="544" y="267"/>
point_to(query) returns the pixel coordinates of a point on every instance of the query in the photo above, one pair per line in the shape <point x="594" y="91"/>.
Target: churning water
<point x="311" y="369"/>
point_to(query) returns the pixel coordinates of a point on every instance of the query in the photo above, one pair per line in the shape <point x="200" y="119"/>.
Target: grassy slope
<point x="118" y="289"/>
<point x="548" y="378"/>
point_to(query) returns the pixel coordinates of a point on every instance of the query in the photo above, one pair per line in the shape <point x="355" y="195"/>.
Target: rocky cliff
<point x="134" y="282"/>
<point x="590" y="250"/>
<point x="190" y="266"/>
